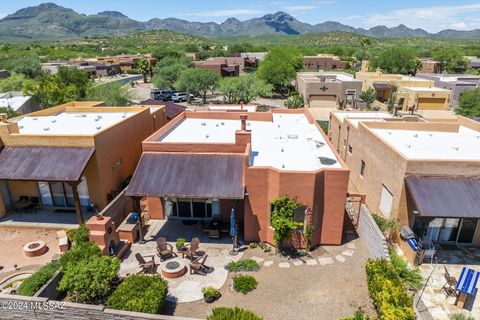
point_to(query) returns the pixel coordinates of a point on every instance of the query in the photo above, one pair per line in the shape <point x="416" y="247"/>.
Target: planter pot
<point x="208" y="299"/>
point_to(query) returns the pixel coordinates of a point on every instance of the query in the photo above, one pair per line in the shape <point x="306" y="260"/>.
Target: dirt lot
<point x="329" y="291"/>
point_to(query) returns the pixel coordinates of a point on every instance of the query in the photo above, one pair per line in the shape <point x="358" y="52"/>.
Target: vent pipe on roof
<point x="243" y="118"/>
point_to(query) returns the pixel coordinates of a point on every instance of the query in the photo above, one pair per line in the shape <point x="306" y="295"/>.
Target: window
<point x="191" y="208"/>
<point x="350" y="149"/>
<point x="298" y="216"/>
<point x="362" y="168"/>
<point x="386" y="202"/>
<point x="60" y="194"/>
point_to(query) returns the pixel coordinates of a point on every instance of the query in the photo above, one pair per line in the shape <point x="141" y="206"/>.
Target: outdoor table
<point x="466" y="285"/>
<point x="22" y="204"/>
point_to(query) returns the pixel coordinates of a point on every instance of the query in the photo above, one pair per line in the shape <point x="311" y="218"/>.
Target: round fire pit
<point x="35" y="249"/>
<point x="173" y="268"/>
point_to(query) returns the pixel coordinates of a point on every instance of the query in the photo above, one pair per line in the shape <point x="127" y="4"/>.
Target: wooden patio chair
<point x="449" y="286"/>
<point x="199" y="266"/>
<point x="147" y="266"/>
<point x="164" y="249"/>
<point x="191" y="249"/>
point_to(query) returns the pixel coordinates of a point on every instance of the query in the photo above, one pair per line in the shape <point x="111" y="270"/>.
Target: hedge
<point x="388" y="292"/>
<point x="232" y="314"/>
<point x="140" y="293"/>
<point x="32" y="284"/>
<point x="244" y="284"/>
<point x="243" y="265"/>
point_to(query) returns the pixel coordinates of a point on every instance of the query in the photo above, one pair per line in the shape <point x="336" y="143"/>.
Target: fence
<point x="371" y="235"/>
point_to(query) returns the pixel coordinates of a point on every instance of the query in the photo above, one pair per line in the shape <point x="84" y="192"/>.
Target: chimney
<point x="3" y="117"/>
<point x="244" y="118"/>
<point x="243" y="136"/>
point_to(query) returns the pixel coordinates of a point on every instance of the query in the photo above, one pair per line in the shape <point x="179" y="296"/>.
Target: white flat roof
<point x="226" y="107"/>
<point x="362" y="115"/>
<point x="15" y="102"/>
<point x="434" y="145"/>
<point x="290" y="142"/>
<point x="71" y="123"/>
<point x="425" y="89"/>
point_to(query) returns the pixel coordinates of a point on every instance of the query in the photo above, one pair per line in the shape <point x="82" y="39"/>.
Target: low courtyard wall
<point x="371" y="235"/>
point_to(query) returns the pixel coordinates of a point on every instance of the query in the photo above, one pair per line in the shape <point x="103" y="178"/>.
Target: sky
<point x="431" y="15"/>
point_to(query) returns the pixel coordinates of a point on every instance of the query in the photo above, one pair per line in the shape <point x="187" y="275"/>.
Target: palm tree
<point x="365" y="43"/>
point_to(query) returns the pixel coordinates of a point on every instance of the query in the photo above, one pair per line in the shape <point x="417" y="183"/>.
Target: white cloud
<point x="296" y="8"/>
<point x="433" y="19"/>
<point x="3" y="15"/>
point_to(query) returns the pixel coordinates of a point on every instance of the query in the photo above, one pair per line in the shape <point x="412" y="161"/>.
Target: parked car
<point x="179" y="97"/>
<point x="164" y="95"/>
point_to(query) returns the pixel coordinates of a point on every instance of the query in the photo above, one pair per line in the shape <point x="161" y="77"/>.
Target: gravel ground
<point x="327" y="292"/>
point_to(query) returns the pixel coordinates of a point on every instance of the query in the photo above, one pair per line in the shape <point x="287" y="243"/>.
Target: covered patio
<point x="41" y="178"/>
<point x="44" y="218"/>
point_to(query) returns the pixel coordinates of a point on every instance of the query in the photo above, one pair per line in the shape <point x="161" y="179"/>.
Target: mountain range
<point x="50" y="21"/>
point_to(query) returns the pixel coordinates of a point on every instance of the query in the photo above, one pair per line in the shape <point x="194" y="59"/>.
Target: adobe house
<point x="423" y="173"/>
<point x="325" y="62"/>
<point x="71" y="156"/>
<point x="202" y="165"/>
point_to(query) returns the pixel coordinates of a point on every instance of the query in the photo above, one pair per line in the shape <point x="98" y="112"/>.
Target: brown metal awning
<point x="445" y="197"/>
<point x="187" y="175"/>
<point x="229" y="69"/>
<point x="382" y="86"/>
<point x="44" y="163"/>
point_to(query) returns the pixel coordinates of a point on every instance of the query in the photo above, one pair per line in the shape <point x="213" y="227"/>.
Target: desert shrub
<point x="32" y="284"/>
<point x="210" y="292"/>
<point x="358" y="315"/>
<point x="140" y="293"/>
<point x="244" y="283"/>
<point x="243" y="265"/>
<point x="388" y="292"/>
<point x="89" y="280"/>
<point x="83" y="251"/>
<point x="232" y="314"/>
<point x="411" y="277"/>
<point x="461" y="316"/>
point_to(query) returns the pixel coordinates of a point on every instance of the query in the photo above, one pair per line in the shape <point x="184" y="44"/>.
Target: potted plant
<point x="180" y="243"/>
<point x="210" y="294"/>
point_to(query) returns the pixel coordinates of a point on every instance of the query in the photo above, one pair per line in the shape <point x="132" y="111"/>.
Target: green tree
<point x="9" y="111"/>
<point x="469" y="104"/>
<point x="244" y="89"/>
<point x="280" y="67"/>
<point x="68" y="84"/>
<point x="113" y="94"/>
<point x="144" y="68"/>
<point x="14" y="82"/>
<point x="89" y="280"/>
<point x="167" y="76"/>
<point x="26" y="64"/>
<point x="282" y="219"/>
<point x="365" y="43"/>
<point x="449" y="59"/>
<point x="395" y="59"/>
<point x="197" y="82"/>
<point x="368" y="96"/>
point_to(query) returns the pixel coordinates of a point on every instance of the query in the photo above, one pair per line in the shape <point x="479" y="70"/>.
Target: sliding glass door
<point x="60" y="194"/>
<point x="467" y="231"/>
<point x="452" y="230"/>
<point x="191" y="208"/>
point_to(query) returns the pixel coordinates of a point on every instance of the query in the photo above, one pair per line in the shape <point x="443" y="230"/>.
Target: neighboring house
<point x="202" y="165"/>
<point x="193" y="55"/>
<point x="259" y="56"/>
<point x="473" y="62"/>
<point x="457" y="83"/>
<point x="73" y="155"/>
<point x="4" y="74"/>
<point x="228" y="66"/>
<point x="425" y="174"/>
<point x="411" y="92"/>
<point x="18" y="102"/>
<point x="325" y="62"/>
<point x="428" y="66"/>
<point x="233" y="107"/>
<point x="328" y="90"/>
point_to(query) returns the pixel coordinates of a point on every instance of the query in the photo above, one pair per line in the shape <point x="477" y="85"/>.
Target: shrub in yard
<point x="33" y="283"/>
<point x="461" y="316"/>
<point x="244" y="284"/>
<point x="388" y="292"/>
<point x="140" y="293"/>
<point x="411" y="277"/>
<point x="89" y="280"/>
<point x="83" y="251"/>
<point x="243" y="265"/>
<point x="359" y="315"/>
<point x="232" y="314"/>
<point x="78" y="236"/>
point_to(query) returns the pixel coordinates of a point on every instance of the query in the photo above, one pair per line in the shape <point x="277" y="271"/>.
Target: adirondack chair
<point x="199" y="266"/>
<point x="147" y="266"/>
<point x="164" y="249"/>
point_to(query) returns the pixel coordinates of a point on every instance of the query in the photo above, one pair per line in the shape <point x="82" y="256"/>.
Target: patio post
<point x="76" y="201"/>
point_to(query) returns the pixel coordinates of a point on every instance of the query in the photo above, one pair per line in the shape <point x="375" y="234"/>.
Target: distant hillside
<point x="50" y="21"/>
